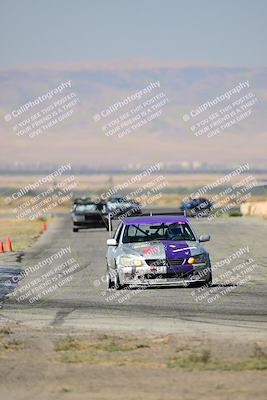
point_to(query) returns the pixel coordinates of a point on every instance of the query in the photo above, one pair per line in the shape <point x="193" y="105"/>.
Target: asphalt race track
<point x="84" y="302"/>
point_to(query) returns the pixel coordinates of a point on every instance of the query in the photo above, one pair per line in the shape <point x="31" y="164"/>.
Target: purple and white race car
<point x="157" y="250"/>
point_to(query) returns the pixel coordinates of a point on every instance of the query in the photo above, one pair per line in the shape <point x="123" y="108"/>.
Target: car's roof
<point x="154" y="219"/>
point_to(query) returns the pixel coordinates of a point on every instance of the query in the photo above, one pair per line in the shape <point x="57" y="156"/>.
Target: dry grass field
<point x="22" y="232"/>
<point x="100" y="365"/>
<point x="175" y="187"/>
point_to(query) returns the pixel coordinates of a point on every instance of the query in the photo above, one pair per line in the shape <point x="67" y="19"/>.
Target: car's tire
<point x="75" y="230"/>
<point x="209" y="280"/>
<point x="117" y="284"/>
<point x="198" y="283"/>
<point x="110" y="283"/>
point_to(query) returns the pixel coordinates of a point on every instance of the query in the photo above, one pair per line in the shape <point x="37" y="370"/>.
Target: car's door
<point x="112" y="250"/>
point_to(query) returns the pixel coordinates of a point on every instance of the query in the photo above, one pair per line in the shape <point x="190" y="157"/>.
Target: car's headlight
<point x="131" y="261"/>
<point x="198" y="259"/>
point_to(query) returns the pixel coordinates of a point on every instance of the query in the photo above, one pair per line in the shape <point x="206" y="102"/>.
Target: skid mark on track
<point x="60" y="317"/>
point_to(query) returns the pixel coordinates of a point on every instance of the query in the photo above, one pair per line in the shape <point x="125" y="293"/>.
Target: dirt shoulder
<point x="22" y="232"/>
<point x="75" y="364"/>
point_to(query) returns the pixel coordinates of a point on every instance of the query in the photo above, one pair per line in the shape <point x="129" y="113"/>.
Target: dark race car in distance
<point x="90" y="215"/>
<point x="199" y="207"/>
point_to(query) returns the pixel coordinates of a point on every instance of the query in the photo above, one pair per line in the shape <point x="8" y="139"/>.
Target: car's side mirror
<point x="112" y="242"/>
<point x="204" y="238"/>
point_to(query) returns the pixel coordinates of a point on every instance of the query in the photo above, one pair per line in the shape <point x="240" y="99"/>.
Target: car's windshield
<point x="82" y="208"/>
<point x="165" y="231"/>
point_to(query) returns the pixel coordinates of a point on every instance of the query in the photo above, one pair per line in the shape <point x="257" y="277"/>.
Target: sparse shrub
<point x="258" y="352"/>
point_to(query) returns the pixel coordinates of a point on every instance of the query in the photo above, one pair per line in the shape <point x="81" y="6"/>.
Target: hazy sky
<point x="224" y="32"/>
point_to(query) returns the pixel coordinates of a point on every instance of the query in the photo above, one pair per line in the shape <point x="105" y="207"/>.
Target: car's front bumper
<point x="163" y="282"/>
<point x="143" y="276"/>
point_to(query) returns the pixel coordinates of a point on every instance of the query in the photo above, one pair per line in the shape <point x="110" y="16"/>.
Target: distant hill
<point x="80" y="139"/>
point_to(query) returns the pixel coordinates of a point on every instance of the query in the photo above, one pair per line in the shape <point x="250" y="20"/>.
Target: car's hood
<point x="163" y="249"/>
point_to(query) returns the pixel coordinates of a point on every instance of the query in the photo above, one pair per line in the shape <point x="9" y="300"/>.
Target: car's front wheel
<point x="110" y="283"/>
<point x="117" y="284"/>
<point x="75" y="230"/>
<point x="209" y="280"/>
<point x="198" y="282"/>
